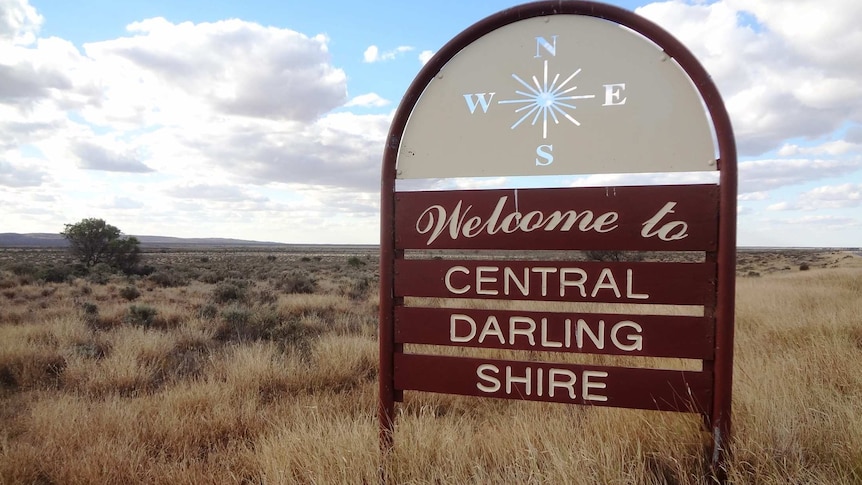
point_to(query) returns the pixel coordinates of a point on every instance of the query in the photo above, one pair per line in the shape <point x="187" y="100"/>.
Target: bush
<point x="359" y="288"/>
<point x="296" y="282"/>
<point x="100" y="273"/>
<point x="166" y="279"/>
<point x="130" y="292"/>
<point x="23" y="269"/>
<point x="355" y="262"/>
<point x="208" y="311"/>
<point x="90" y="312"/>
<point x="56" y="274"/>
<point x="141" y="315"/>
<point x="804" y="267"/>
<point x="230" y="290"/>
<point x="236" y="315"/>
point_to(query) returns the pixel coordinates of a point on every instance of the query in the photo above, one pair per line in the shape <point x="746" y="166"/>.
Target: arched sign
<point x="560" y="88"/>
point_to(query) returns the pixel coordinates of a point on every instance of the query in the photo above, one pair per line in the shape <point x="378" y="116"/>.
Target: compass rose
<point x="547" y="101"/>
<point x="543" y="100"/>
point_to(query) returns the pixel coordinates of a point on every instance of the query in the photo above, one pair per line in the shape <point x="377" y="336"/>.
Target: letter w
<point x="478" y="99"/>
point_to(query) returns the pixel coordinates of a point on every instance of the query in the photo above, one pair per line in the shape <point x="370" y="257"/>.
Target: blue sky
<point x="265" y="120"/>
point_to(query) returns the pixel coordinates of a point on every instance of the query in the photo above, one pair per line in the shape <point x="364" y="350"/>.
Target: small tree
<point x="94" y="241"/>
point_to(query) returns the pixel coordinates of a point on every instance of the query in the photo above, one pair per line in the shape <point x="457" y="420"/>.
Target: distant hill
<point x="48" y="240"/>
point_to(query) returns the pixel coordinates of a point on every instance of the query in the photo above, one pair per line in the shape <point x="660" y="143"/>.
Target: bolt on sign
<point x="498" y="275"/>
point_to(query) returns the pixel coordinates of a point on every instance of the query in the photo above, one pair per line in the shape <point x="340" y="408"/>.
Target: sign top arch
<point x="560" y="88"/>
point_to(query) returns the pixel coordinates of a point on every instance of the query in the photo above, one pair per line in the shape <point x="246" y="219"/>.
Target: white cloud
<point x="824" y="197"/>
<point x="229" y="68"/>
<point x="373" y="53"/>
<point x="425" y="56"/>
<point x="92" y="156"/>
<point x="19" y="22"/>
<point x="225" y="193"/>
<point x="753" y="196"/>
<point x="14" y="176"/>
<point x="834" y="148"/>
<point x="795" y="74"/>
<point x="832" y="222"/>
<point x="369" y="100"/>
<point x="122" y="203"/>
<point x="765" y="175"/>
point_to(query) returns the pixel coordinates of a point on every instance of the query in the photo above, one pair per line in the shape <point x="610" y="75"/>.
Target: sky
<point x="266" y="120"/>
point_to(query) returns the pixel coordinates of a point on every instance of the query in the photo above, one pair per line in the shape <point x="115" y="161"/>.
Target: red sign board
<point x="667" y="218"/>
<point x="503" y="275"/>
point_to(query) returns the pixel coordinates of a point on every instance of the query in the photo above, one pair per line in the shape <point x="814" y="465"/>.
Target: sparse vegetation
<point x="244" y="379"/>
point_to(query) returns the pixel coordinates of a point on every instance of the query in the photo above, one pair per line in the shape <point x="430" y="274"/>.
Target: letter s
<point x="546" y="155"/>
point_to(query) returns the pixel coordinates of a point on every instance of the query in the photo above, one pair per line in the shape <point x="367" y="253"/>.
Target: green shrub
<point x="23" y="269"/>
<point x="56" y="274"/>
<point x="296" y="282"/>
<point x="355" y="262"/>
<point x="230" y="290"/>
<point x="90" y="313"/>
<point x="100" y="273"/>
<point x="141" y="315"/>
<point x="358" y="289"/>
<point x="166" y="279"/>
<point x="130" y="292"/>
<point x="208" y="311"/>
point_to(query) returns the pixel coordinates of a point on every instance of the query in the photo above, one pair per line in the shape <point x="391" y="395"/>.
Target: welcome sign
<point x="560" y="88"/>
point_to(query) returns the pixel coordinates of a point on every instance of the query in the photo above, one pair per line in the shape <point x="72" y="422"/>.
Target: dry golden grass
<point x="281" y="388"/>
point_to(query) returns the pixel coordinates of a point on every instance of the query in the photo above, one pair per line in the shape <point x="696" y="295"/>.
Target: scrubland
<point x="260" y="367"/>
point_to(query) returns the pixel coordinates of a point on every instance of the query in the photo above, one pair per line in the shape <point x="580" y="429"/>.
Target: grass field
<point x="243" y="366"/>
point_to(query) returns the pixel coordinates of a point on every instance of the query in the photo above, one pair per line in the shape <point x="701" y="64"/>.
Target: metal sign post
<point x="560" y="88"/>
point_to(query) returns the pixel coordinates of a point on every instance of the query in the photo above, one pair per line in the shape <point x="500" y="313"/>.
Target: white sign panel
<point x="557" y="95"/>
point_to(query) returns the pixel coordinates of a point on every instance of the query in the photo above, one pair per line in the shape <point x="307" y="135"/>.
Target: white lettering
<point x="606" y="281"/>
<point x="613" y="93"/>
<point x="436" y="221"/>
<point x="670" y="231"/>
<point x="523" y="285"/>
<point x="598" y="340"/>
<point x="479" y="100"/>
<point x="636" y="339"/>
<point x="544" y="271"/>
<point x="546" y="153"/>
<point x="546" y="342"/>
<point x="527" y="331"/>
<point x="453" y="325"/>
<point x="494" y="383"/>
<point x="587" y="384"/>
<point x="542" y="43"/>
<point x="543" y="281"/>
<point x="448" y="280"/>
<point x="492" y="327"/>
<point x="521" y="331"/>
<point x="554" y="383"/>
<point x="629" y="292"/>
<point x="512" y="379"/>
<point x="481" y="280"/>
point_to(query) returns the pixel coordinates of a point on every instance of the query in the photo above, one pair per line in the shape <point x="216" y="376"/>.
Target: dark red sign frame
<point x="710" y="389"/>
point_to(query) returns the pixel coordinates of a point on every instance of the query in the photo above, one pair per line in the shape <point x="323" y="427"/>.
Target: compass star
<point x="543" y="100"/>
